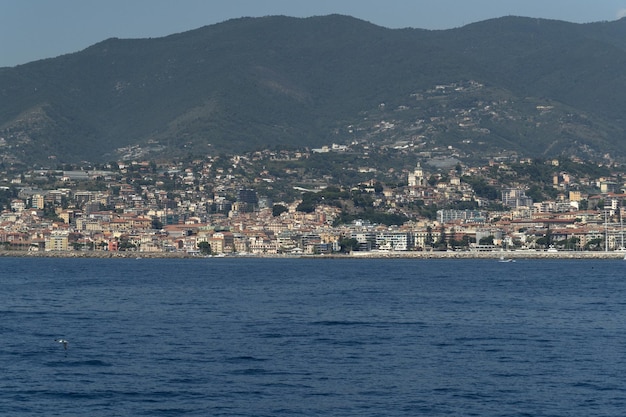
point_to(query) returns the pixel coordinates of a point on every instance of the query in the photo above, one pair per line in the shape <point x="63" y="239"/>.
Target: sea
<point x="312" y="337"/>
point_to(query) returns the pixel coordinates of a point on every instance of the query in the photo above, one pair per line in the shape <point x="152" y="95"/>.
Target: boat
<point x="503" y="259"/>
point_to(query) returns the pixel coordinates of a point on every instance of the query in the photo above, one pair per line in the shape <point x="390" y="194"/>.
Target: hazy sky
<point x="36" y="29"/>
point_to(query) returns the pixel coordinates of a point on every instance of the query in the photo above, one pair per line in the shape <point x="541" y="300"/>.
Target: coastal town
<point x="264" y="203"/>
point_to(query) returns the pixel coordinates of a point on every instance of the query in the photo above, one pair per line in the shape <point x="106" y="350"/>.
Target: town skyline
<point x="235" y="205"/>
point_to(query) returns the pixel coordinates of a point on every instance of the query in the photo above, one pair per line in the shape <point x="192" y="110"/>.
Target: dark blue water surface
<point x="285" y="337"/>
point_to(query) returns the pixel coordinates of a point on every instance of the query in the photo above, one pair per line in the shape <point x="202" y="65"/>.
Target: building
<point x="417" y="178"/>
<point x="365" y="239"/>
<point x="390" y="240"/>
<point x="247" y="199"/>
<point x="57" y="241"/>
<point x="474" y="216"/>
<point x="483" y="233"/>
<point x="38" y="201"/>
<point x="515" y="197"/>
<point x="18" y="205"/>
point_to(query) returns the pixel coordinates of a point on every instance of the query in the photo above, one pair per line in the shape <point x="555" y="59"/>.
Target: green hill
<point x="529" y="86"/>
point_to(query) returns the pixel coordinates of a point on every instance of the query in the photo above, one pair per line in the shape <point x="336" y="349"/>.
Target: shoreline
<point x="504" y="255"/>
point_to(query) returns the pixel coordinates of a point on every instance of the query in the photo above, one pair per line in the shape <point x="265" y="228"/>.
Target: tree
<point x="488" y="240"/>
<point x="567" y="244"/>
<point x="572" y="243"/>
<point x="126" y="245"/>
<point x="594" y="244"/>
<point x="429" y="236"/>
<point x="543" y="241"/>
<point x="535" y="193"/>
<point x="361" y="199"/>
<point x="348" y="245"/>
<point x="463" y="243"/>
<point x="481" y="187"/>
<point x="306" y="206"/>
<point x="278" y="209"/>
<point x="205" y="248"/>
<point x="441" y="242"/>
<point x="157" y="224"/>
<point x="49" y="212"/>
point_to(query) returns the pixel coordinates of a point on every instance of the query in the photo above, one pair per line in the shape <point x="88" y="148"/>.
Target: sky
<point x="38" y="29"/>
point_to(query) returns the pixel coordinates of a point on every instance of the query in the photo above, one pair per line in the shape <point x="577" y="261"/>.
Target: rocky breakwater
<point x="94" y="254"/>
<point x="503" y="255"/>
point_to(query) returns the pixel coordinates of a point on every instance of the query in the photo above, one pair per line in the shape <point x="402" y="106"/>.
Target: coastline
<point x="500" y="255"/>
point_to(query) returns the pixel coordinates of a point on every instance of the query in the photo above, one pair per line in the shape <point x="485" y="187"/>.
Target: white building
<point x="416" y="178"/>
<point x="392" y="241"/>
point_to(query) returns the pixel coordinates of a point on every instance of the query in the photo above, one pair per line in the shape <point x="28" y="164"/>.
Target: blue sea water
<point x="309" y="337"/>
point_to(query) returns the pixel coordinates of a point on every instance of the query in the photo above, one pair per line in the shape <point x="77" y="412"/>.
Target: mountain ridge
<point x="251" y="83"/>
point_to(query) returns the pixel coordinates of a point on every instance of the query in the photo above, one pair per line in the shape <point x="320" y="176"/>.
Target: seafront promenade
<point x="505" y="255"/>
<point x="499" y="255"/>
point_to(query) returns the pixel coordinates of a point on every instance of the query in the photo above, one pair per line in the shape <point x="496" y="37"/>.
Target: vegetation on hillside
<point x="526" y="86"/>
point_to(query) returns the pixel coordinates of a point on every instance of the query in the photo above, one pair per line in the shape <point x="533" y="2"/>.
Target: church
<point x="416" y="178"/>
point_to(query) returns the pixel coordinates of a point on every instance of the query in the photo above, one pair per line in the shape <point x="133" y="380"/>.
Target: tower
<point x="416" y="178"/>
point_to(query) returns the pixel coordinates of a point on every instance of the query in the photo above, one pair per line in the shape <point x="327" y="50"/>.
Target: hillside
<point x="527" y="86"/>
